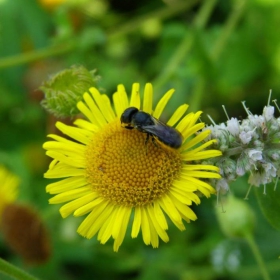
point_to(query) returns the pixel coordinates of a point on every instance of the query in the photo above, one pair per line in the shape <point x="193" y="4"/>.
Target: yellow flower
<point x="8" y="188"/>
<point x="113" y="175"/>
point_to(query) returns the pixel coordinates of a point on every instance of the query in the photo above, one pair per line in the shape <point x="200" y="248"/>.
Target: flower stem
<point x="22" y="58"/>
<point x="250" y="239"/>
<point x="204" y="13"/>
<point x="173" y="62"/>
<point x="233" y="152"/>
<point x="230" y="24"/>
<point x="14" y="272"/>
<point x="185" y="45"/>
<point x="161" y="14"/>
<point x="122" y="30"/>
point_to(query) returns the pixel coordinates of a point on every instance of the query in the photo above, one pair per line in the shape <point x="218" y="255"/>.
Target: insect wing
<point x="166" y="134"/>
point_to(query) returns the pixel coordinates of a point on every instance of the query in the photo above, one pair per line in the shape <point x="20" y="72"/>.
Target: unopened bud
<point x="25" y="233"/>
<point x="227" y="167"/>
<point x="151" y="28"/>
<point x="65" y="89"/>
<point x="238" y="219"/>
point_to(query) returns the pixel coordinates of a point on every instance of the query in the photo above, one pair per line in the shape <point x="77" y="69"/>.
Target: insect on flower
<point x="144" y="122"/>
<point x="94" y="173"/>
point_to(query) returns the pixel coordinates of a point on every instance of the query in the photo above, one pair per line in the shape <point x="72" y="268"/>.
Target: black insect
<point x="144" y="122"/>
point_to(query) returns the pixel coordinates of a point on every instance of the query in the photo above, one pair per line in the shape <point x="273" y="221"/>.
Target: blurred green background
<point x="212" y="52"/>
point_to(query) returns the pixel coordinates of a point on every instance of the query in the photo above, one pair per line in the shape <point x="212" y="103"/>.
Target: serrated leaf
<point x="270" y="205"/>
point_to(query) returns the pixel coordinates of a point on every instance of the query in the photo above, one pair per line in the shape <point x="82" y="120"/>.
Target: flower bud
<point x="273" y="154"/>
<point x="151" y="28"/>
<point x="227" y="167"/>
<point x="233" y="126"/>
<point x="246" y="137"/>
<point x="242" y="165"/>
<point x="222" y="185"/>
<point x="254" y="154"/>
<point x="65" y="89"/>
<point x="25" y="233"/>
<point x="268" y="112"/>
<point x="238" y="220"/>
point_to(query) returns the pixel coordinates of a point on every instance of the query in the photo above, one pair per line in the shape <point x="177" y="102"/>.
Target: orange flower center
<point x="124" y="169"/>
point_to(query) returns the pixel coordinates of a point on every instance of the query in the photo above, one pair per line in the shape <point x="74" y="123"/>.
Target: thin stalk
<point x="258" y="256"/>
<point x="185" y="45"/>
<point x="172" y="64"/>
<point x="14" y="272"/>
<point x="233" y="151"/>
<point x="23" y="58"/>
<point x="122" y="30"/>
<point x="230" y="25"/>
<point x="161" y="14"/>
<point x="204" y="13"/>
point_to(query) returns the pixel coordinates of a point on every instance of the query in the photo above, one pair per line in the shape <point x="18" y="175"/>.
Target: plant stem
<point x="172" y="64"/>
<point x="14" y="272"/>
<point x="122" y="30"/>
<point x="22" y="58"/>
<point x="185" y="45"/>
<point x="161" y="14"/>
<point x="204" y="13"/>
<point x="250" y="239"/>
<point x="233" y="152"/>
<point x="230" y="24"/>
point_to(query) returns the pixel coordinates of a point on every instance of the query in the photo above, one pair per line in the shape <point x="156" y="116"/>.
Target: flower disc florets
<point x="125" y="170"/>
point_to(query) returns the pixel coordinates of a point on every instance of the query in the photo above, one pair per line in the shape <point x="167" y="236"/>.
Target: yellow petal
<point x="162" y="103"/>
<point x="177" y="115"/>
<point x="148" y="98"/>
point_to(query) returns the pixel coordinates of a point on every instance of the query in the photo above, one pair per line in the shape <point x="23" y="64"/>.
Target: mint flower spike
<point x="248" y="146"/>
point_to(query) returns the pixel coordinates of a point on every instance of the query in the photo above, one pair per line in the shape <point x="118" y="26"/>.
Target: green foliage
<point x="270" y="205"/>
<point x="213" y="54"/>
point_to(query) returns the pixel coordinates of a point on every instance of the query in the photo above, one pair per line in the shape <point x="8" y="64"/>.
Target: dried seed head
<point x="25" y="233"/>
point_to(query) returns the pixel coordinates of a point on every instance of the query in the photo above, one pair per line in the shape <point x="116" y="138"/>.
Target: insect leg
<point x="129" y="127"/>
<point x="158" y="145"/>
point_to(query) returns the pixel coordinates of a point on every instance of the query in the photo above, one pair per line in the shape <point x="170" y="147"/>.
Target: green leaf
<point x="270" y="205"/>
